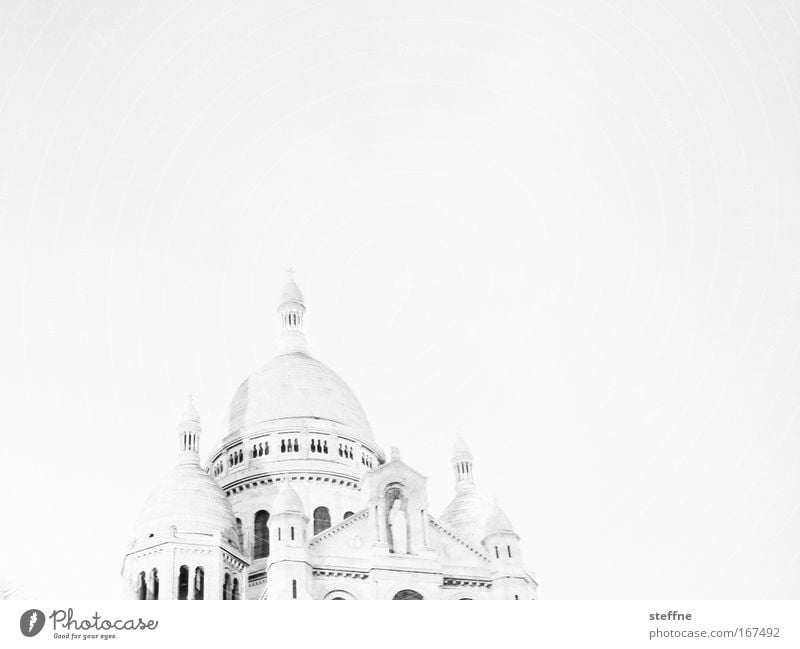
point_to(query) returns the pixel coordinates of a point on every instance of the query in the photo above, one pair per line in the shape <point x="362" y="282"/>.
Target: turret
<point x="185" y="544"/>
<point x="291" y="312"/>
<point x="467" y="511"/>
<point x="288" y="570"/>
<point x="189" y="434"/>
<point x="462" y="464"/>
<point x="510" y="578"/>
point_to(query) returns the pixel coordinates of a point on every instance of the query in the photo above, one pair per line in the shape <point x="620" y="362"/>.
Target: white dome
<point x="461" y="448"/>
<point x="291" y="293"/>
<point x="287" y="501"/>
<point x="188" y="499"/>
<point x="466" y="515"/>
<point x="296" y="385"/>
<point x="497" y="522"/>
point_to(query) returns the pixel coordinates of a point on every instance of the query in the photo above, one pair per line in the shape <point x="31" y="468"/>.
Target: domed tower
<point x="288" y="567"/>
<point x="511" y="579"/>
<point x="185" y="544"/>
<point x="293" y="419"/>
<point x="466" y="514"/>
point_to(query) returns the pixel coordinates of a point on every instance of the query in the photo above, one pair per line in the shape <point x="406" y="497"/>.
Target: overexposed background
<point x="570" y="229"/>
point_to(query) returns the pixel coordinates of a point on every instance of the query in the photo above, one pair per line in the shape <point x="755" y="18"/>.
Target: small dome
<point x="191" y="418"/>
<point x="466" y="515"/>
<point x="291" y="293"/>
<point x="461" y="448"/>
<point x="188" y="499"/>
<point x="287" y="501"/>
<point x="497" y="522"/>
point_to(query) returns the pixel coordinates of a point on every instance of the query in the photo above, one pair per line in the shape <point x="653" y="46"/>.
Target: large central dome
<point x="296" y="385"/>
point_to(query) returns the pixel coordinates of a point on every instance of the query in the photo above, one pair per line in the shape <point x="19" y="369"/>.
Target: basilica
<point x="300" y="502"/>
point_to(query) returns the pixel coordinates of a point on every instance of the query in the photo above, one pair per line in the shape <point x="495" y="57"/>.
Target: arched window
<point x="408" y="594"/>
<point x="322" y="519"/>
<point x="296" y="446"/>
<point x="141" y="586"/>
<point x="509" y="551"/>
<point x="496" y="552"/>
<point x="226" y="587"/>
<point x="338" y="595"/>
<point x="348" y="514"/>
<point x="154" y="584"/>
<point x="199" y="583"/>
<point x="240" y="533"/>
<point x="283" y="446"/>
<point x="325" y="447"/>
<point x="292" y="533"/>
<point x="261" y="535"/>
<point x="235" y="591"/>
<point x="183" y="582"/>
<point x="313" y="446"/>
<point x="294" y="589"/>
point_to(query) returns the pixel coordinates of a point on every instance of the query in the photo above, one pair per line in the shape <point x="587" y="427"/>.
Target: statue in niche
<point x="398" y="527"/>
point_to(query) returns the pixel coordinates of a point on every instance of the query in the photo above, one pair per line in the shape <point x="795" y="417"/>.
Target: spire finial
<point x="461" y="449"/>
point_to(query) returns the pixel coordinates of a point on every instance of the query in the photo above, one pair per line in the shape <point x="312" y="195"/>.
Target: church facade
<point x="300" y="502"/>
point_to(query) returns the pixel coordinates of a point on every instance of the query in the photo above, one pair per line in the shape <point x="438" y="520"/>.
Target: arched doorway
<point x="407" y="594"/>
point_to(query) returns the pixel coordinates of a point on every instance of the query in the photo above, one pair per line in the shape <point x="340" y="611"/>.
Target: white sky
<point x="570" y="229"/>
